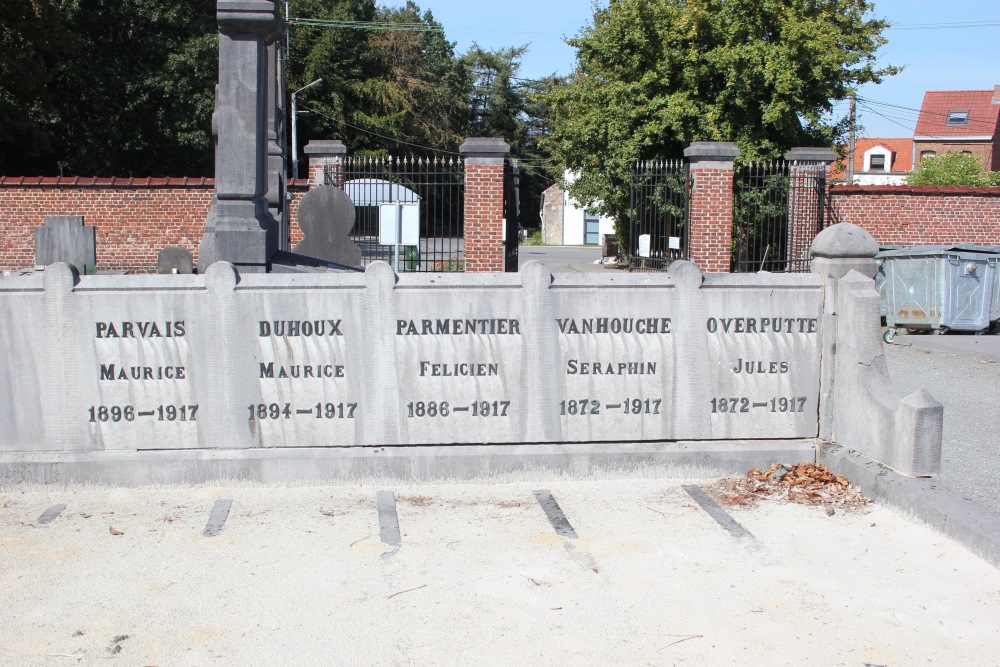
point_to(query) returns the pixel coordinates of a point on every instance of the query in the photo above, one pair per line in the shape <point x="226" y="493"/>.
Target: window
<point x="924" y="154"/>
<point x="958" y="118"/>
<point x="877" y="162"/>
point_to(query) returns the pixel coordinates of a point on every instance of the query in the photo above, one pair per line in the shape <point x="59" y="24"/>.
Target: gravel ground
<point x="300" y="576"/>
<point x="970" y="455"/>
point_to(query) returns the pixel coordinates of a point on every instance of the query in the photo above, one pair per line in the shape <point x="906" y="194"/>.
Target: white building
<point x="565" y="222"/>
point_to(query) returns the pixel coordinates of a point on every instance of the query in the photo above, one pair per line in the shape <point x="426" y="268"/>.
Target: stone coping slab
<point x="414" y="463"/>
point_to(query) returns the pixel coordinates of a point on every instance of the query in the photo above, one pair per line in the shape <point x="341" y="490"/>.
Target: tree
<point x="110" y="87"/>
<point x="503" y="104"/>
<point x="654" y="75"/>
<point x="31" y="45"/>
<point x="953" y="168"/>
<point x="384" y="90"/>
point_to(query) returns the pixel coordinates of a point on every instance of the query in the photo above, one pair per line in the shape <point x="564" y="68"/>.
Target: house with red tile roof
<point x="877" y="162"/>
<point x="966" y="121"/>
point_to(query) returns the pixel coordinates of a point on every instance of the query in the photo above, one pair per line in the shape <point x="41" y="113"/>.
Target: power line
<point x="946" y="26"/>
<point x="366" y="25"/>
<point x="382" y="136"/>
<point x="985" y="123"/>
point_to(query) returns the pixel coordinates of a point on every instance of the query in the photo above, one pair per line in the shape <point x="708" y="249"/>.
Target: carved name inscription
<point x="143" y="395"/>
<point x="306" y="386"/>
<point x="376" y="359"/>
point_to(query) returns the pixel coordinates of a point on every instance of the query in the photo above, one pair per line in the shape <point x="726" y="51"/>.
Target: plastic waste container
<point x="938" y="288"/>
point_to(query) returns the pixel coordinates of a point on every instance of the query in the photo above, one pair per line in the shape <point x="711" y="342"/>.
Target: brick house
<point x="877" y="162"/>
<point x="967" y="121"/>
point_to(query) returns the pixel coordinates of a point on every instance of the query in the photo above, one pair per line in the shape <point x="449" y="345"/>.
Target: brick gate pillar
<point x="326" y="157"/>
<point x="710" y="206"/>
<point x="807" y="169"/>
<point x="484" y="170"/>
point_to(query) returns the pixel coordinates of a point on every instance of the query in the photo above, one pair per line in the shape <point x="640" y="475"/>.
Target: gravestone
<point x="64" y="238"/>
<point x="326" y="217"/>
<point x="174" y="260"/>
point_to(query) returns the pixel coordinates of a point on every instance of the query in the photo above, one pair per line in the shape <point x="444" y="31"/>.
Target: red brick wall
<point x="904" y="215"/>
<point x="484" y="250"/>
<point x="710" y="219"/>
<point x="134" y="218"/>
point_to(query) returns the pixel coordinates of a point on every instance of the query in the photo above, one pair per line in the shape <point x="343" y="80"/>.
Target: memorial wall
<point x="269" y="360"/>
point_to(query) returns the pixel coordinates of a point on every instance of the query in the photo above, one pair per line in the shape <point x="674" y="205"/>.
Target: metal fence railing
<point x="433" y="186"/>
<point x="777" y="211"/>
<point x="658" y="207"/>
<point x="760" y="217"/>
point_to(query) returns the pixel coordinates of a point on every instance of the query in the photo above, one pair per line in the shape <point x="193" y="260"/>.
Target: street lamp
<point x="295" y="133"/>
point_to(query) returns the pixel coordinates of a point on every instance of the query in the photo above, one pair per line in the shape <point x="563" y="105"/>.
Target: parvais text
<point x="174" y="329"/>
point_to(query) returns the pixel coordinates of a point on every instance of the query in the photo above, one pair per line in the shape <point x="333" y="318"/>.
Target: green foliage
<point x="383" y="91"/>
<point x="126" y="87"/>
<point x="953" y="168"/>
<point x="654" y="75"/>
<point x="31" y="44"/>
<point x="534" y="238"/>
<point x="109" y="87"/>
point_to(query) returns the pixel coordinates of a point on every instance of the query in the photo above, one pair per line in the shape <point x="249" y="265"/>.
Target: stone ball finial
<point x="845" y="239"/>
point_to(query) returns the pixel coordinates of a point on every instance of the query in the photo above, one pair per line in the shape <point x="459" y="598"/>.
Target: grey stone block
<point x="65" y="238"/>
<point x="289" y="360"/>
<point x="802" y="154"/>
<point x="325" y="148"/>
<point x="326" y="216"/>
<point x="174" y="260"/>
<point x="411" y="463"/>
<point x="712" y="154"/>
<point x="869" y="414"/>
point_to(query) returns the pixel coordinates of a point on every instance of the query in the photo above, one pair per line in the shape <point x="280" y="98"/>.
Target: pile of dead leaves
<point x="805" y="483"/>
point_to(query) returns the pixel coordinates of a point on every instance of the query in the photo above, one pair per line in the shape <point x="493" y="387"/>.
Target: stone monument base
<point x="405" y="463"/>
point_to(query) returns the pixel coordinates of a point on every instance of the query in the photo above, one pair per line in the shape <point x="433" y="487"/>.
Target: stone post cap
<point x="254" y="17"/>
<point x="324" y="148"/>
<point x="484" y="147"/>
<point x="711" y="151"/>
<point x="805" y="154"/>
<point x="844" y="240"/>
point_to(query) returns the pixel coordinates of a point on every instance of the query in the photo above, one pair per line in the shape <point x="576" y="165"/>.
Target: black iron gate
<point x="433" y="188"/>
<point x="658" y="209"/>
<point x="512" y="215"/>
<point x="777" y="212"/>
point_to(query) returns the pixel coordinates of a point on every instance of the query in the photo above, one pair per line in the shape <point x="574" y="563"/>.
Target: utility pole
<point x="295" y="125"/>
<point x="851" y="141"/>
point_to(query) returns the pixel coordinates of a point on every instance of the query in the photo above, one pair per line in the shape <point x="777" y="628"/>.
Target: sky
<point x="935" y="55"/>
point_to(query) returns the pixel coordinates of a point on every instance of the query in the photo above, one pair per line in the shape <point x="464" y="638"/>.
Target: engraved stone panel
<point x="458" y="360"/>
<point x="304" y="349"/>
<point x="287" y="360"/>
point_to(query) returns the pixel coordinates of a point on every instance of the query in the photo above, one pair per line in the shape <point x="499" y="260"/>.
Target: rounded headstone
<point x="845" y="239"/>
<point x="326" y="217"/>
<point x="174" y="260"/>
<point x="222" y="277"/>
<point x="685" y="273"/>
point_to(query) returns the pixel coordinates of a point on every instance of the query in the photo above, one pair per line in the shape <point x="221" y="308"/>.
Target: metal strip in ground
<point x="555" y="514"/>
<point x="715" y="511"/>
<point x="217" y="519"/>
<point x="388" y="520"/>
<point x="49" y="515"/>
